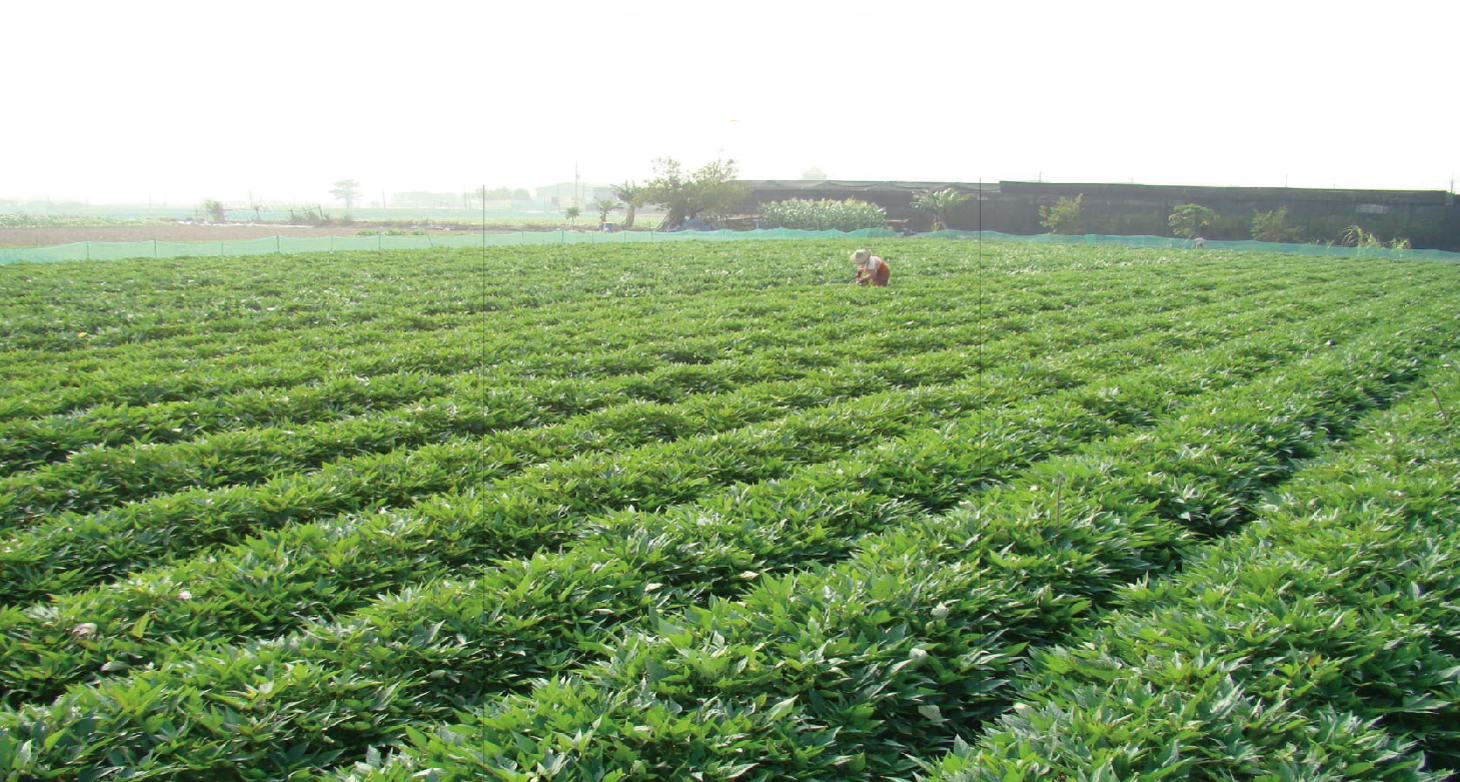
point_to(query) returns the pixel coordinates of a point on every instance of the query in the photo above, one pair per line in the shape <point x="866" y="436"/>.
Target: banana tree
<point x="941" y="203"/>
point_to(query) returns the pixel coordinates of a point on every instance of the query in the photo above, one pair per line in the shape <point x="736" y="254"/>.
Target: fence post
<point x="88" y="249"/>
<point x="154" y="248"/>
<point x="379" y="241"/>
<point x="278" y="243"/>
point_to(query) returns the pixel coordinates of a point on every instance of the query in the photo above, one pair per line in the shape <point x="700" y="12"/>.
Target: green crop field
<point x="707" y="511"/>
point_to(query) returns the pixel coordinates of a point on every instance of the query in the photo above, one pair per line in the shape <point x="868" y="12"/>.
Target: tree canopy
<point x="711" y="189"/>
<point x="1191" y="220"/>
<point x="1064" y="217"/>
<point x="347" y="190"/>
<point x="633" y="197"/>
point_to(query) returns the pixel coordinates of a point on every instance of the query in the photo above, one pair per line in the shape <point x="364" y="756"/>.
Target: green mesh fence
<point x="108" y="251"/>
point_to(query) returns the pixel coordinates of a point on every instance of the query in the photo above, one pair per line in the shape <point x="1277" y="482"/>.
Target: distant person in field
<point x="870" y="269"/>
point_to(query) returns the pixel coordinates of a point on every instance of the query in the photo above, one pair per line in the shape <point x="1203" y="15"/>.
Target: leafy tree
<point x="1273" y="227"/>
<point x="710" y="190"/>
<point x="604" y="206"/>
<point x="941" y="203"/>
<point x="572" y="213"/>
<point x="633" y="197"/>
<point x="214" y="210"/>
<point x="347" y="190"/>
<point x="1064" y="217"/>
<point x="1191" y="220"/>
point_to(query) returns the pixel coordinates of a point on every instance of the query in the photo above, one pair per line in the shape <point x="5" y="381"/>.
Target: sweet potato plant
<point x="706" y="511"/>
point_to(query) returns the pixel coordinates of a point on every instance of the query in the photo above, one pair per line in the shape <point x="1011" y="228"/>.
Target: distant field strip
<point x="277" y="245"/>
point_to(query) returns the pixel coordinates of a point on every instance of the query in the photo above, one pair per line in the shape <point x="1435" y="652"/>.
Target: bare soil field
<point x="163" y="232"/>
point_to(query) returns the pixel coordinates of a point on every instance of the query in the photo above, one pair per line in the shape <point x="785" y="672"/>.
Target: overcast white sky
<point x="177" y="101"/>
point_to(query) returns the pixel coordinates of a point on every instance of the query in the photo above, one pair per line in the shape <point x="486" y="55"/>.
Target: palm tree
<point x="633" y="197"/>
<point x="941" y="203"/>
<point x="604" y="206"/>
<point x="572" y="213"/>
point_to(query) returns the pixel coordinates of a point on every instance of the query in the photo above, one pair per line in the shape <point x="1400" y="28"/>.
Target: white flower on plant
<point x="84" y="630"/>
<point x="184" y="595"/>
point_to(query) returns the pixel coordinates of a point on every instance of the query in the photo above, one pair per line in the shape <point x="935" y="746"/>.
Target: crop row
<point x="157" y="301"/>
<point x="569" y="328"/>
<point x="600" y="582"/>
<point x="232" y="714"/>
<point x="851" y="671"/>
<point x="598" y="349"/>
<point x="1321" y="636"/>
<point x="28" y="442"/>
<point x="207" y="396"/>
<point x="101" y="477"/>
<point x="96" y="478"/>
<point x="696" y="329"/>
<point x="71" y="552"/>
<point x="146" y="300"/>
<point x="678" y="335"/>
<point x="271" y="585"/>
<point x="43" y="440"/>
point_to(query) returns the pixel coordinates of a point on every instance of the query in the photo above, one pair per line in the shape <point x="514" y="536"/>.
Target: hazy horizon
<point x="173" y="103"/>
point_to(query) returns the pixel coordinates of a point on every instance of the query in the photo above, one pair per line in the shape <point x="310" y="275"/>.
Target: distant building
<point x="569" y="194"/>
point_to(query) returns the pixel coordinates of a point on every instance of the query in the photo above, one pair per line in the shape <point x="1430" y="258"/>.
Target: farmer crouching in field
<point x="870" y="268"/>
